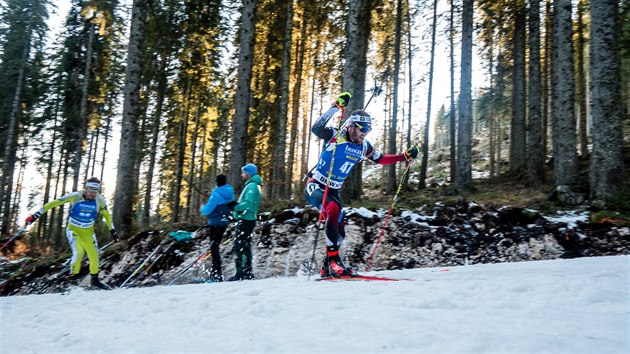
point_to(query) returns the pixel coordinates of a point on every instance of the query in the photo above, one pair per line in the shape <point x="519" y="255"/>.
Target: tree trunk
<point x="358" y="33"/>
<point x="140" y="154"/>
<point x="425" y="142"/>
<point x="18" y="187"/>
<point x="295" y="120"/>
<point x="157" y="116"/>
<point x="393" y="129"/>
<point x="43" y="224"/>
<point x="499" y="139"/>
<point x="463" y="178"/>
<point x="10" y="147"/>
<point x="307" y="126"/>
<point x="580" y="77"/>
<point x="548" y="76"/>
<point x="125" y="193"/>
<point x="493" y="125"/>
<point x="607" y="169"/>
<point x="60" y="232"/>
<point x="108" y="128"/>
<point x="518" y="146"/>
<point x="452" y="123"/>
<point x="243" y="91"/>
<point x="500" y="93"/>
<point x="193" y="163"/>
<point x="181" y="157"/>
<point x="83" y="112"/>
<point x="278" y="159"/>
<point x="97" y="139"/>
<point x="410" y="78"/>
<point x="91" y="153"/>
<point x="564" y="135"/>
<point x="536" y="157"/>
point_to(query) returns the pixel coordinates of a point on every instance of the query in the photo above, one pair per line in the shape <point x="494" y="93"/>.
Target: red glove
<point x="31" y="218"/>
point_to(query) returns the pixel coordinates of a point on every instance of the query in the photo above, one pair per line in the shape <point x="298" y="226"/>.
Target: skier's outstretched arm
<point x="385" y="159"/>
<point x="55" y="203"/>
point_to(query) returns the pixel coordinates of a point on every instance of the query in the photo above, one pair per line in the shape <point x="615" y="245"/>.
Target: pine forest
<point x="155" y="98"/>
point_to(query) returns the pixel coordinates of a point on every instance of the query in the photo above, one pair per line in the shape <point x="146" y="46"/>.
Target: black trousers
<point x="216" y="235"/>
<point x="243" y="248"/>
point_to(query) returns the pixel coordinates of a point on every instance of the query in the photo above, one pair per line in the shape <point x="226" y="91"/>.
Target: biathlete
<point x="86" y="206"/>
<point x="350" y="147"/>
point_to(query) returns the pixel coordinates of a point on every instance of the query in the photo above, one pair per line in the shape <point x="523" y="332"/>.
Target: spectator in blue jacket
<point x="218" y="211"/>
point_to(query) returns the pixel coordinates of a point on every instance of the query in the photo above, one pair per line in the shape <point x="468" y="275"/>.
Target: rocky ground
<point x="466" y="233"/>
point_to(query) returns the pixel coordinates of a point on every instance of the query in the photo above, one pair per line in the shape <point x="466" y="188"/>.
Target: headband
<point x="93" y="185"/>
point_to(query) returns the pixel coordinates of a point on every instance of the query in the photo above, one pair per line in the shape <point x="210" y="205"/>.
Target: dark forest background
<point x="183" y="90"/>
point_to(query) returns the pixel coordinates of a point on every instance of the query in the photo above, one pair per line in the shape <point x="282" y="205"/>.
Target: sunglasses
<point x="364" y="127"/>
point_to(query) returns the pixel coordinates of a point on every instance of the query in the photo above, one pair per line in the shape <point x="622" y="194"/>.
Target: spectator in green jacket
<point x="245" y="213"/>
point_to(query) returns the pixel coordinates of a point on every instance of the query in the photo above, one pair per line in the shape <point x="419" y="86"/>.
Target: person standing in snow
<point x="245" y="213"/>
<point x="85" y="207"/>
<point x="349" y="147"/>
<point x="218" y="211"/>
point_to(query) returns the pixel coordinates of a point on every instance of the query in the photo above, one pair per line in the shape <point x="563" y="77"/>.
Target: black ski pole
<point x="375" y="92"/>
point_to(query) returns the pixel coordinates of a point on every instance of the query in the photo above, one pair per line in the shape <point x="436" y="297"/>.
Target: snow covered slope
<point x="559" y="306"/>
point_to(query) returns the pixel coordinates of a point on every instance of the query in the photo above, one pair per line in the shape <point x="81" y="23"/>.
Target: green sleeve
<point x="63" y="200"/>
<point x="106" y="215"/>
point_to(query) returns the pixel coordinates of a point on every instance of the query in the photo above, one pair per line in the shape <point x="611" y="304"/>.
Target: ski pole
<point x="143" y="263"/>
<point x="389" y="214"/>
<point x="18" y="233"/>
<point x="181" y="273"/>
<point x="375" y="92"/>
<point x="199" y="259"/>
<point x="147" y="269"/>
<point x="321" y="212"/>
<point x="105" y="247"/>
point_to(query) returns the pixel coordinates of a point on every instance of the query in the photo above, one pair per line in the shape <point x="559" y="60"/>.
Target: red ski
<point x="363" y="278"/>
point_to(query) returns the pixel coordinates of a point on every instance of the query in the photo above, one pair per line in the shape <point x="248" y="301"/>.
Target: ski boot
<point x="336" y="268"/>
<point x="74" y="279"/>
<point x="215" y="277"/>
<point x="96" y="283"/>
<point x="241" y="276"/>
<point x="324" y="273"/>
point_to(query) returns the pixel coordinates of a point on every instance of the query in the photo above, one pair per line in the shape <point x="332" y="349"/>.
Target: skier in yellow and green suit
<point x="86" y="205"/>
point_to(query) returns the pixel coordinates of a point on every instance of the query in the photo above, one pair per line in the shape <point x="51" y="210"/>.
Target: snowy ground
<point x="561" y="306"/>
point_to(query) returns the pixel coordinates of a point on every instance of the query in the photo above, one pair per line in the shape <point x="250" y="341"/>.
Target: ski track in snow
<point x="559" y="306"/>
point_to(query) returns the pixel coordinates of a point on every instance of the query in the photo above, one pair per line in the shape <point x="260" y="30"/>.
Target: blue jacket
<point x="216" y="208"/>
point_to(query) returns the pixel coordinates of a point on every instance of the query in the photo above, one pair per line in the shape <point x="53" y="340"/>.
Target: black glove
<point x="231" y="204"/>
<point x="411" y="153"/>
<point x="343" y="99"/>
<point x="114" y="235"/>
<point x="31" y="218"/>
